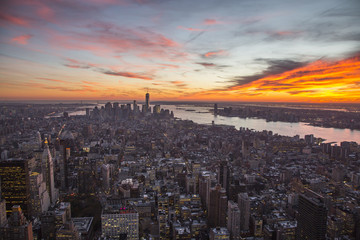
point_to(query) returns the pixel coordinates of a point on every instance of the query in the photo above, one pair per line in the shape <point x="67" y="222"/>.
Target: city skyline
<point x="256" y="51"/>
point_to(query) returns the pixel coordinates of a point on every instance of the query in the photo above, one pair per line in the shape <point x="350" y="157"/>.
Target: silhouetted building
<point x="312" y="218"/>
<point x="17" y="228"/>
<point x="147" y="103"/>
<point x="217" y="207"/>
<point x="3" y="218"/>
<point x="233" y="220"/>
<point x="47" y="168"/>
<point x="244" y="206"/>
<point x="215" y="109"/>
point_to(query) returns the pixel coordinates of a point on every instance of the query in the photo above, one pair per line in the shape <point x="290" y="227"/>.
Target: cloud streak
<point x="127" y="75"/>
<point x="22" y="39"/>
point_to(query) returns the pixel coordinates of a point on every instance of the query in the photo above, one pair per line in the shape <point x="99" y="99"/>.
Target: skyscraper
<point x="223" y="175"/>
<point x="244" y="206"/>
<point x="3" y="218"/>
<point x="217" y="207"/>
<point x="15" y="184"/>
<point x="147" y="103"/>
<point x="312" y="218"/>
<point x="233" y="221"/>
<point x="47" y="168"/>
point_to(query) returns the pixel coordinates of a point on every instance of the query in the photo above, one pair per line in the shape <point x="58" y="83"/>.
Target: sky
<point x="180" y="50"/>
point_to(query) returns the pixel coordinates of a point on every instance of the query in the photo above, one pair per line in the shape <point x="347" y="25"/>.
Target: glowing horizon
<point x="202" y="51"/>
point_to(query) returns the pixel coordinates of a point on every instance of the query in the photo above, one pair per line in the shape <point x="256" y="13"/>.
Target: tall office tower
<point x="39" y="196"/>
<point x="233" y="221"/>
<point x="120" y="223"/>
<point x="204" y="187"/>
<point x="312" y="218"/>
<point x="18" y="227"/>
<point x="147" y="103"/>
<point x="223" y="175"/>
<point x="135" y="107"/>
<point x="244" y="206"/>
<point x="66" y="144"/>
<point x="38" y="139"/>
<point x="3" y="218"/>
<point x="215" y="109"/>
<point x="108" y="110"/>
<point x="156" y="109"/>
<point x="47" y="169"/>
<point x="15" y="184"/>
<point x="217" y="207"/>
<point x="105" y="174"/>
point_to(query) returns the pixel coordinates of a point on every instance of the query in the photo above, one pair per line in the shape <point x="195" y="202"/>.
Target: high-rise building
<point x="135" y="107"/>
<point x="15" y="184"/>
<point x="120" y="222"/>
<point x="3" y="218"/>
<point x="147" y="103"/>
<point x="47" y="168"/>
<point x="217" y="207"/>
<point x="17" y="227"/>
<point x="105" y="174"/>
<point x="312" y="218"/>
<point x="223" y="175"/>
<point x="244" y="206"/>
<point x="233" y="220"/>
<point x="39" y="196"/>
<point x="66" y="145"/>
<point x="156" y="109"/>
<point x="215" y="109"/>
<point x="54" y="220"/>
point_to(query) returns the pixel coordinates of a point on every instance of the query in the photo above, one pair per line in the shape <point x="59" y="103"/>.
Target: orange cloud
<point x="23" y="39"/>
<point x="215" y="53"/>
<point x="192" y="29"/>
<point x="320" y="81"/>
<point x="54" y="80"/>
<point x="210" y="21"/>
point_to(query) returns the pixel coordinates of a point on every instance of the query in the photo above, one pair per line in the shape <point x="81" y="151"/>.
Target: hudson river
<point x="202" y="115"/>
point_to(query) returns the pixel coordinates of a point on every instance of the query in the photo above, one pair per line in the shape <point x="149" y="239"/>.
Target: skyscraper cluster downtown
<point x="129" y="171"/>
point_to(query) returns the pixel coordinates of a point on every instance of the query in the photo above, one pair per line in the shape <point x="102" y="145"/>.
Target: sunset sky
<point x="206" y="50"/>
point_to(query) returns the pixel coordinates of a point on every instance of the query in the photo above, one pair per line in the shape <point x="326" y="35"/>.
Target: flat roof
<point x="83" y="224"/>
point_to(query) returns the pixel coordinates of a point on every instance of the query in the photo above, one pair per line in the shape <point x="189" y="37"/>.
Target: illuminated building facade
<point x="3" y="218"/>
<point x="219" y="233"/>
<point x="120" y="222"/>
<point x="15" y="184"/>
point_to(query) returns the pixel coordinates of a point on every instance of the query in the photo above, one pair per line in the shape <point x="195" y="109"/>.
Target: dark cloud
<point x="126" y="74"/>
<point x="211" y="65"/>
<point x="275" y="66"/>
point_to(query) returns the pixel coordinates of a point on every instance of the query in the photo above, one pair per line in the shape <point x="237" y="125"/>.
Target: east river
<point x="202" y="115"/>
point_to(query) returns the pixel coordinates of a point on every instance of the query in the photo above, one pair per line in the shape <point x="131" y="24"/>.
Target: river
<point x="202" y="115"/>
